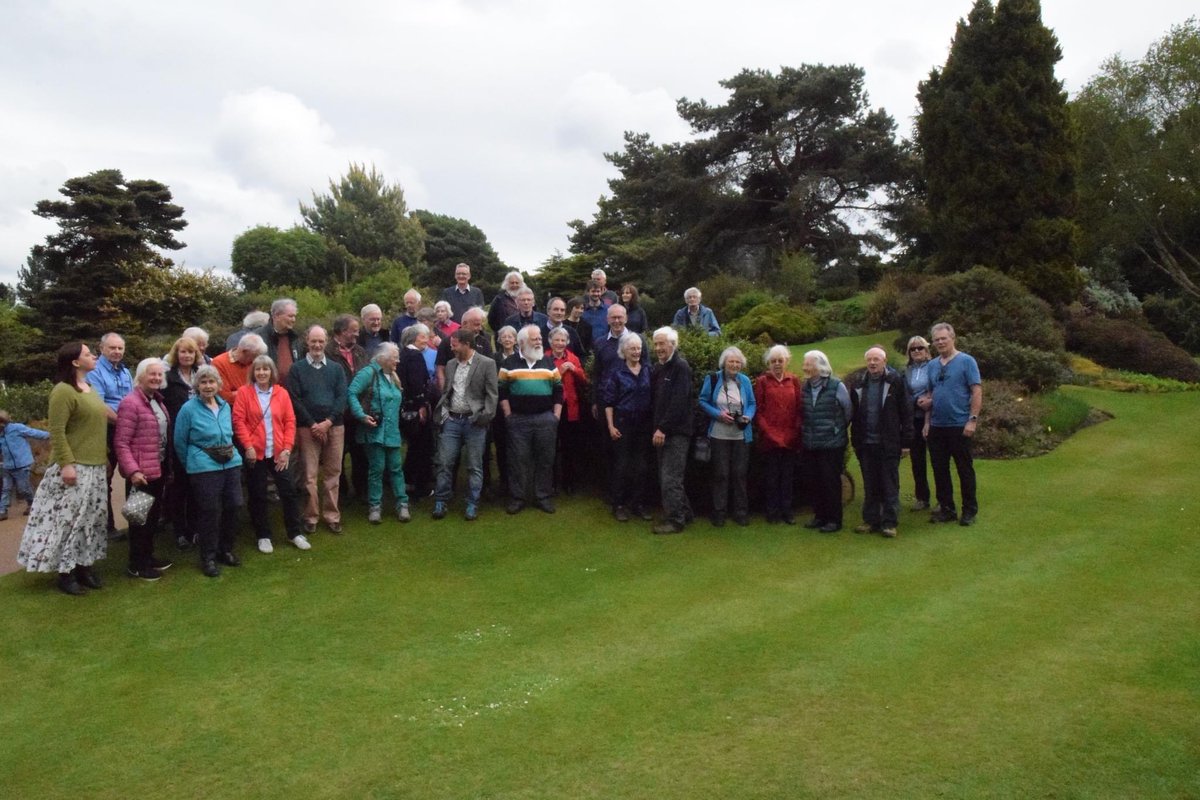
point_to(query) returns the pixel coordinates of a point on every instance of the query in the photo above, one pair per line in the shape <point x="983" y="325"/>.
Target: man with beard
<point x="504" y="304"/>
<point x="531" y="398"/>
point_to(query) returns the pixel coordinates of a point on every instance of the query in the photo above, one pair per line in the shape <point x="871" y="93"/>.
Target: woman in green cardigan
<point x="374" y="397"/>
<point x="68" y="524"/>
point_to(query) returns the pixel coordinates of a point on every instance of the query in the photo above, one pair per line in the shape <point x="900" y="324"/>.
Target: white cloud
<point x="596" y="110"/>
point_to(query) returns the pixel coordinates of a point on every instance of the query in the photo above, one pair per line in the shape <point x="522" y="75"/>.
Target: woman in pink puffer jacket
<point x="142" y="445"/>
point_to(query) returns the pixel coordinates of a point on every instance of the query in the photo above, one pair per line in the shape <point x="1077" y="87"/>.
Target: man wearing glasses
<point x="957" y="396"/>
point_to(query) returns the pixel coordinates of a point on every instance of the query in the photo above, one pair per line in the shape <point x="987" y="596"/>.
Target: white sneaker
<point x="402" y="513"/>
<point x="265" y="546"/>
<point x="301" y="542"/>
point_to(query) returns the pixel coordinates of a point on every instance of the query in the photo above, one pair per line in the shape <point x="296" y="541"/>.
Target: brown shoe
<point x="864" y="528"/>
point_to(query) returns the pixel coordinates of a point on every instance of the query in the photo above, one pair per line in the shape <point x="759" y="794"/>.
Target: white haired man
<point x="412" y="304"/>
<point x="531" y="398"/>
<point x="672" y="404"/>
<point x="880" y="425"/>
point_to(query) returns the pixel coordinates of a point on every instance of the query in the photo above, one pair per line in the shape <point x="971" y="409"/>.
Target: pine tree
<point x="109" y="229"/>
<point x="999" y="158"/>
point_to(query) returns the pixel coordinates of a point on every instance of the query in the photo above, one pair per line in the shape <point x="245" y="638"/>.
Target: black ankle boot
<point x="67" y="584"/>
<point x="88" y="577"/>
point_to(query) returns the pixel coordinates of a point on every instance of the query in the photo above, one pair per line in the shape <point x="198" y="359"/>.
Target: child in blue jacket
<point x="18" y="460"/>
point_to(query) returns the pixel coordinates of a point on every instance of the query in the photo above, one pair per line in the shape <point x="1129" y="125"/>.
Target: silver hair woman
<point x="826" y="414"/>
<point x="375" y="399"/>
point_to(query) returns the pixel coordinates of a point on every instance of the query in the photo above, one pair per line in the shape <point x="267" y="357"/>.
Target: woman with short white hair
<point x="826" y="414"/>
<point x="727" y="397"/>
<point x="780" y="409"/>
<point x="625" y="398"/>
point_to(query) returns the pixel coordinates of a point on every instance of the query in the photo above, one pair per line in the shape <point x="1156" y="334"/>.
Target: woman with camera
<point x="727" y="397"/>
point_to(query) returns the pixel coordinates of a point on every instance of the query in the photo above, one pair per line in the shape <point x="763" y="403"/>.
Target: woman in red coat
<point x="142" y="445"/>
<point x="571" y="424"/>
<point x="265" y="426"/>
<point x="777" y="393"/>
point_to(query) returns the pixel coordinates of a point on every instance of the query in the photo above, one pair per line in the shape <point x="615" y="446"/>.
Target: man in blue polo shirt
<point x="112" y="381"/>
<point x="952" y="415"/>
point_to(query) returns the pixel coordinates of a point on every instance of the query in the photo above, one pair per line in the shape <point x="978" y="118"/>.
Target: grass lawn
<point x="1050" y="651"/>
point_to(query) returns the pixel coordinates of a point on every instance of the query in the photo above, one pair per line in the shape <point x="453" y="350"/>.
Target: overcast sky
<point x="497" y="111"/>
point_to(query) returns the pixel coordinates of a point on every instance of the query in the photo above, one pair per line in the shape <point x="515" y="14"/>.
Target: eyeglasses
<point x="916" y="347"/>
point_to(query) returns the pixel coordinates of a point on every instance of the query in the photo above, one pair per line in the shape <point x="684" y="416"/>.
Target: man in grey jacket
<point x="465" y="411"/>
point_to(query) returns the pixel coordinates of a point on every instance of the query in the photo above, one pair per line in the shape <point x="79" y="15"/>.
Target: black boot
<point x="67" y="584"/>
<point x="88" y="577"/>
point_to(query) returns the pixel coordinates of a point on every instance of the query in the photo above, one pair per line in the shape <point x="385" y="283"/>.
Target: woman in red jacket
<point x="570" y="426"/>
<point x="777" y="393"/>
<point x="142" y="445"/>
<point x="265" y="427"/>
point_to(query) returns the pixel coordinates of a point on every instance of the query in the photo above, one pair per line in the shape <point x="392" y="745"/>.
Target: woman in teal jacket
<point x="727" y="397"/>
<point x="374" y="397"/>
<point x="204" y="444"/>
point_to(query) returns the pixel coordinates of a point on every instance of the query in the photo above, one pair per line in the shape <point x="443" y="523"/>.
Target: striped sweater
<point x="530" y="389"/>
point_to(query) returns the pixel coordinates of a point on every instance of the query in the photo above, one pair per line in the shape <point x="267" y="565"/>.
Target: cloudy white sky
<point x="498" y="111"/>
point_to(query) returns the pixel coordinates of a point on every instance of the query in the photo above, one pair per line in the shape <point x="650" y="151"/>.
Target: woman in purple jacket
<point x="142" y="445"/>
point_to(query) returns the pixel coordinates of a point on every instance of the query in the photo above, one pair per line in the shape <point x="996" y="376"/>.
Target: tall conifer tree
<point x="998" y="154"/>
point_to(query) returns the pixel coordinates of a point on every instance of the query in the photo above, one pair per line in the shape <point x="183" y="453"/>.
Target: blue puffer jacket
<point x="196" y="428"/>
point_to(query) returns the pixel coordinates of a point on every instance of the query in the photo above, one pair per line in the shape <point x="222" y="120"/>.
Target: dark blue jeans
<point x="458" y="436"/>
<point x="946" y="444"/>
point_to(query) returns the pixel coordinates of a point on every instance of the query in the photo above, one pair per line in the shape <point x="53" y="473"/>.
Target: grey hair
<point x="411" y="333"/>
<point x="265" y="361"/>
<point x="255" y="319"/>
<point x="474" y="311"/>
<point x="504" y="330"/>
<point x="560" y="331"/>
<point x="252" y="343"/>
<point x="599" y="272"/>
<point x="385" y="349"/>
<point x="523" y="334"/>
<point x="690" y="291"/>
<point x="627" y="338"/>
<point x="777" y="350"/>
<point x="369" y="308"/>
<point x="669" y="332"/>
<point x="104" y="339"/>
<point x="144" y="365"/>
<point x="281" y="304"/>
<point x="942" y="326"/>
<point x="315" y="327"/>
<point x="207" y="371"/>
<point x="197" y="333"/>
<point x="730" y="351"/>
<point x="441" y="305"/>
<point x="412" y="291"/>
<point x="525" y="290"/>
<point x="824" y="368"/>
<point x="504" y="283"/>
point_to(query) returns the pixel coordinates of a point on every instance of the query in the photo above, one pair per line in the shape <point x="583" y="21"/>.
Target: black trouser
<point x="258" y="474"/>
<point x="917" y="453"/>
<point x="730" y="461"/>
<point x="216" y="498"/>
<point x="945" y="444"/>
<point x="571" y="445"/>
<point x="823" y="475"/>
<point x="881" y="486"/>
<point x="418" y="458"/>
<point x="141" y="537"/>
<point x="778" y="476"/>
<point x="179" y="501"/>
<point x="631" y="456"/>
<point x="358" y="460"/>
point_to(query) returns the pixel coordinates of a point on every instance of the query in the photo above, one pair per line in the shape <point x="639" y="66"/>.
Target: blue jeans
<point x="458" y="434"/>
<point x="19" y="478"/>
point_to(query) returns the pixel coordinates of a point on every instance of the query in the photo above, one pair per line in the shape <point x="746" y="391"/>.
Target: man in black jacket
<point x="880" y="427"/>
<point x="671" y="393"/>
<point x="284" y="345"/>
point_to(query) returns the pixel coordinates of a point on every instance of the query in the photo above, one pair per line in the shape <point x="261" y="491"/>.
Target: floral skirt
<point x="68" y="525"/>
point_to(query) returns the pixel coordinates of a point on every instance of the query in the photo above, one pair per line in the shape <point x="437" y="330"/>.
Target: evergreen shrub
<point x="1123" y="344"/>
<point x="778" y="323"/>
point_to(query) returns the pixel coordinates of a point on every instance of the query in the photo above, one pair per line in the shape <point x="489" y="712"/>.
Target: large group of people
<point x="275" y="417"/>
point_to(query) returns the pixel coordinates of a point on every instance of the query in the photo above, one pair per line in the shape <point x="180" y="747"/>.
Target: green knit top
<point x="78" y="426"/>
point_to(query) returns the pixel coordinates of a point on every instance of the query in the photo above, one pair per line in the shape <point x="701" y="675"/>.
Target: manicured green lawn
<point x="1050" y="651"/>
